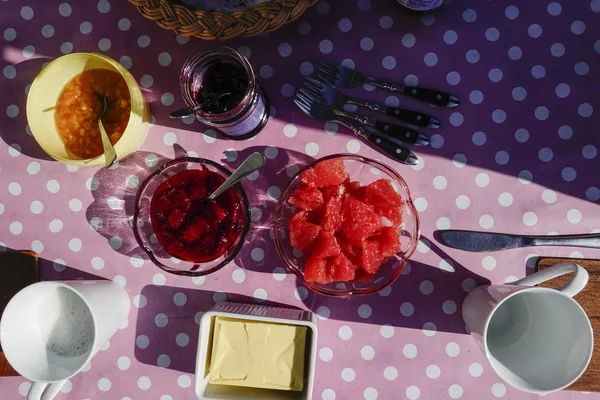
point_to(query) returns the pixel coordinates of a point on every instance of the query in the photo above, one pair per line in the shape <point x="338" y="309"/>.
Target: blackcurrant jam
<point x="238" y="115"/>
<point x="223" y="77"/>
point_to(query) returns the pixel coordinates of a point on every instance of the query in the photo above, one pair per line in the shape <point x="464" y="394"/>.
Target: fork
<point x="322" y="112"/>
<point x="398" y="133"/>
<point x="344" y="77"/>
<point x="334" y="97"/>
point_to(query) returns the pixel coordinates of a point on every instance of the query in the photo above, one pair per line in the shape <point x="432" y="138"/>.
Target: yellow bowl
<point x="43" y="96"/>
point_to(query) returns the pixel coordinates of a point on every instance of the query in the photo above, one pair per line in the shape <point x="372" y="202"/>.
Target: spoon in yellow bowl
<point x="110" y="155"/>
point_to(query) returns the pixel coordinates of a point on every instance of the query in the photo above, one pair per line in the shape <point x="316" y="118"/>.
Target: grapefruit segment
<point x="306" y="197"/>
<point x="371" y="256"/>
<point x="309" y="177"/>
<point x="330" y="173"/>
<point x="303" y="234"/>
<point x="333" y="191"/>
<point x="316" y="271"/>
<point x="381" y="193"/>
<point x="353" y="253"/>
<point x="341" y="268"/>
<point x="360" y="221"/>
<point x="326" y="245"/>
<point x="385" y="201"/>
<point x="332" y="215"/>
<point x="393" y="214"/>
<point x="355" y="189"/>
<point x="389" y="239"/>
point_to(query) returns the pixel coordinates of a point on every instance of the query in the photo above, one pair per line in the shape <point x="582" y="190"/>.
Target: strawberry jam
<point x="188" y="225"/>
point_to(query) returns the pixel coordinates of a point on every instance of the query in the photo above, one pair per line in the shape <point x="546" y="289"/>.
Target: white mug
<point x="538" y="340"/>
<point x="50" y="330"/>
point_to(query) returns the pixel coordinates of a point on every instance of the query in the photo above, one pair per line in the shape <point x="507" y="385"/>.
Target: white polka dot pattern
<point x="516" y="155"/>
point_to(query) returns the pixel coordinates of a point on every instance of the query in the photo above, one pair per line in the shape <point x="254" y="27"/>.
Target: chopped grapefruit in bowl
<point x="346" y="225"/>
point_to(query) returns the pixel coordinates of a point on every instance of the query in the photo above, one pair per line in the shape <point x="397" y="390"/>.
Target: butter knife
<point x="482" y="241"/>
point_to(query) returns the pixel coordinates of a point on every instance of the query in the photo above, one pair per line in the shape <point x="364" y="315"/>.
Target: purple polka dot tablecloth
<point x="518" y="155"/>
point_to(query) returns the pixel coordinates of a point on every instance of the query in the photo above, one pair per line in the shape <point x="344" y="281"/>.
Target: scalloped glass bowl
<point x="365" y="171"/>
<point x="142" y="225"/>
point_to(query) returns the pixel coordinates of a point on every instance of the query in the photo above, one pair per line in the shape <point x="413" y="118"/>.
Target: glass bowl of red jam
<point x="182" y="231"/>
<point x="239" y="115"/>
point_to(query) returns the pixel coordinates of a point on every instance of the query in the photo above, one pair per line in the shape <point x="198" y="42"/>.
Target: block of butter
<point x="257" y="354"/>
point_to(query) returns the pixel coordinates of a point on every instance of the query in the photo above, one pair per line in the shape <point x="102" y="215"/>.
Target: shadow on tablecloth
<point x="15" y="131"/>
<point x="491" y="129"/>
<point x="439" y="309"/>
<point x="263" y="190"/>
<point x="56" y="270"/>
<point x="425" y="297"/>
<point x="114" y="190"/>
<point x="167" y="334"/>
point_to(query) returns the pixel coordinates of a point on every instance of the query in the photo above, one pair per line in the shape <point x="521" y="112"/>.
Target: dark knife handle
<point x="398" y="153"/>
<point x="413" y="117"/>
<point x="405" y="134"/>
<point x="431" y="96"/>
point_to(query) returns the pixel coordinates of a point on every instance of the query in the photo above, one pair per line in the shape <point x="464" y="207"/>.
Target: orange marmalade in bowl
<point x="79" y="107"/>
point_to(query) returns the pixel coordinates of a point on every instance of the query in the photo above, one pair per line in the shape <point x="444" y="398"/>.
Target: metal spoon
<point x="110" y="155"/>
<point x="185" y="112"/>
<point x="250" y="164"/>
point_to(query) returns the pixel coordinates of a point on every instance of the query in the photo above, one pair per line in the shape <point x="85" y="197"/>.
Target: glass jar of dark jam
<point x="238" y="115"/>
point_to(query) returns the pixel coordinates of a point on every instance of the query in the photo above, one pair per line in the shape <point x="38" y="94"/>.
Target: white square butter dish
<point x="205" y="390"/>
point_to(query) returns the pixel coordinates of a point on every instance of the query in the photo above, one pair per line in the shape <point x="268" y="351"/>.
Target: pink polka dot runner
<point x="518" y="155"/>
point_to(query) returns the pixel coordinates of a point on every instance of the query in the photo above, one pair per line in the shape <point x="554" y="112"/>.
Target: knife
<point x="483" y="241"/>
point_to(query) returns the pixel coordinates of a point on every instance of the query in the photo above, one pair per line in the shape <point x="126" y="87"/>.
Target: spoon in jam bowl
<point x="110" y="154"/>
<point x="186" y="112"/>
<point x="250" y="164"/>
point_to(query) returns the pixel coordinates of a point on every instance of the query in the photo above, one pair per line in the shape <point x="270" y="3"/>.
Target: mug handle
<point x="571" y="288"/>
<point x="44" y="391"/>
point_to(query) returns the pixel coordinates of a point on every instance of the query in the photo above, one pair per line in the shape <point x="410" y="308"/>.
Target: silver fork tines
<point x="314" y="84"/>
<point x="322" y="112"/>
<point x="303" y="104"/>
<point x="339" y="75"/>
<point x="344" y="77"/>
<point x="314" y="108"/>
<point x="327" y="76"/>
<point x="397" y="133"/>
<point x="328" y="112"/>
<point x="330" y="68"/>
<point x="328" y="93"/>
<point x="312" y="92"/>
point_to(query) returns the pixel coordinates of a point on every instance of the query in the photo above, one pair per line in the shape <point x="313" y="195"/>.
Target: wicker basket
<point x="263" y="17"/>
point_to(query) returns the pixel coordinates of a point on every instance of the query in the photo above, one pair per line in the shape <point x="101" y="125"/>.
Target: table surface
<point x="518" y="155"/>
